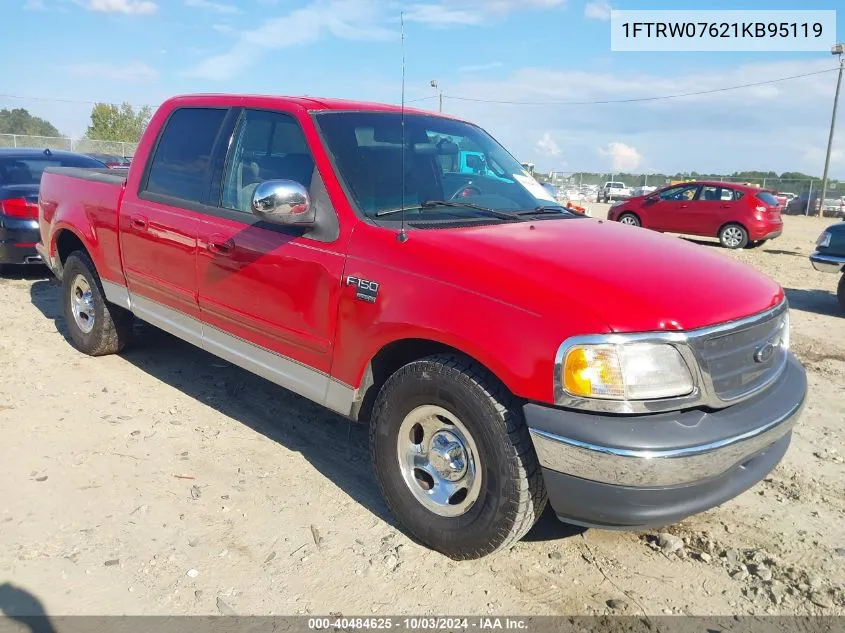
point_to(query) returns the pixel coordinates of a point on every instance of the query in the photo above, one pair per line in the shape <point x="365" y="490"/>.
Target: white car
<point x="614" y="190"/>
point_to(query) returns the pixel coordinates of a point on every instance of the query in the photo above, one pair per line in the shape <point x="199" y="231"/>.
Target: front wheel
<point x="96" y="326"/>
<point x="733" y="236"/>
<point x="453" y="458"/>
<point x="630" y="219"/>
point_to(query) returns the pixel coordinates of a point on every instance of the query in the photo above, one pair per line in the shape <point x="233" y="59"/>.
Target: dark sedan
<point x="829" y="256"/>
<point x="20" y="177"/>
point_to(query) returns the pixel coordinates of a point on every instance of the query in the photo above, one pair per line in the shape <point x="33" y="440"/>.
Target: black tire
<point x="112" y="325"/>
<point x="756" y="244"/>
<point x="512" y="494"/>
<point x="634" y="220"/>
<point x="733" y="236"/>
<point x="840" y="293"/>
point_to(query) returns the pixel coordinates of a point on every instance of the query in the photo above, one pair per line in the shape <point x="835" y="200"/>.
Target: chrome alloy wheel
<point x="82" y="304"/>
<point x="629" y="220"/>
<point x="439" y="461"/>
<point x="732" y="236"/>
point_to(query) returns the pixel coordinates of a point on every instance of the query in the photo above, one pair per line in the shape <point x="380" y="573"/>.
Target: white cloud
<point x="129" y="7"/>
<point x="720" y="132"/>
<point x="547" y="146"/>
<point x="135" y="71"/>
<point x="214" y="7"/>
<point x="354" y="20"/>
<point x="473" y="68"/>
<point x="597" y="10"/>
<point x="439" y="15"/>
<point x="622" y="157"/>
<point x="469" y="12"/>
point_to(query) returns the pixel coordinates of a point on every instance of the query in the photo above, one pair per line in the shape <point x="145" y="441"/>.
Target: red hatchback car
<point x="739" y="215"/>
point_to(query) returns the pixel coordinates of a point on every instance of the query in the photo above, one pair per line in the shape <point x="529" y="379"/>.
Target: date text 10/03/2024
<point x="417" y="624"/>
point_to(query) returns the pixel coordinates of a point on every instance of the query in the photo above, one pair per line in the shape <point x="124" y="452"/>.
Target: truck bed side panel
<point x="84" y="202"/>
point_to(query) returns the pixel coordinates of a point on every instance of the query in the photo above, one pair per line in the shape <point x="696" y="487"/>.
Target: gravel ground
<point x="163" y="481"/>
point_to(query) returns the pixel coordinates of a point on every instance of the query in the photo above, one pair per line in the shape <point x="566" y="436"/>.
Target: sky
<point x="69" y="53"/>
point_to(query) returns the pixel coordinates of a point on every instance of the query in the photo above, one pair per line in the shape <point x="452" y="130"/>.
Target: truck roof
<point x="311" y="104"/>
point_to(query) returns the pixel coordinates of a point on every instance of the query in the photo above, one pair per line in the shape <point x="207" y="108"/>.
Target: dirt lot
<point x="165" y="482"/>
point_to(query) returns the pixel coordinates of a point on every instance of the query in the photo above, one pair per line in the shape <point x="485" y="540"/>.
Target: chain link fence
<point x="81" y="145"/>
<point x="803" y="193"/>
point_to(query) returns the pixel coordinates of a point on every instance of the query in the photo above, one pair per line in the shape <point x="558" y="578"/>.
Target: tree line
<point x="109" y="122"/>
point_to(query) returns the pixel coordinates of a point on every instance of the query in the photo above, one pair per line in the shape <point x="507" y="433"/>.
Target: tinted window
<point x="267" y="146"/>
<point x="683" y="192"/>
<point x="766" y="198"/>
<point x="27" y="171"/>
<point x="180" y="167"/>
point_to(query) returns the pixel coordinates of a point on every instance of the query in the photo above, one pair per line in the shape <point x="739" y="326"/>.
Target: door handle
<point x="220" y="245"/>
<point x="138" y="222"/>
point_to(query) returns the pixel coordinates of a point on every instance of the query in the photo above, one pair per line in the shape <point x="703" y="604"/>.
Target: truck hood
<point x="629" y="278"/>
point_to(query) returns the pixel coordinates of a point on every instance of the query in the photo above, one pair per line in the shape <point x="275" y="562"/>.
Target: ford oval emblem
<point x="764" y="354"/>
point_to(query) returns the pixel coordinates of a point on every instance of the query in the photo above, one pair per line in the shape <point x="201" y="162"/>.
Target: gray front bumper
<point x="827" y="263"/>
<point x="624" y="471"/>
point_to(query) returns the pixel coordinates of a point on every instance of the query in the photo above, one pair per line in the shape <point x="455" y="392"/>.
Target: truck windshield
<point x="444" y="160"/>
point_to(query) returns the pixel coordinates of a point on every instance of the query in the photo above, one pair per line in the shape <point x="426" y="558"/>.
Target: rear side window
<point x="766" y="198"/>
<point x="180" y="166"/>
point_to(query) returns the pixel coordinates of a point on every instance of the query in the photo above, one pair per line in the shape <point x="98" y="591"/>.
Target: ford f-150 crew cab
<point x="503" y="351"/>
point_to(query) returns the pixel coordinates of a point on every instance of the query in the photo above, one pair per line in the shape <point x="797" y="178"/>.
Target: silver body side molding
<point x="306" y="381"/>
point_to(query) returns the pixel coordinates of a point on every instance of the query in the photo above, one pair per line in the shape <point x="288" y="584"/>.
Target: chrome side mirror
<point x="283" y="202"/>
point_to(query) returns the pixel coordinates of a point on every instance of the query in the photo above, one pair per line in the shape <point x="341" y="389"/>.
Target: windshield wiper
<point x="544" y="210"/>
<point x="428" y="204"/>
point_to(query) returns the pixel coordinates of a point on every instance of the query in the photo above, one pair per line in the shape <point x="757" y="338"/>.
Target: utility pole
<point x="839" y="50"/>
<point x="435" y="85"/>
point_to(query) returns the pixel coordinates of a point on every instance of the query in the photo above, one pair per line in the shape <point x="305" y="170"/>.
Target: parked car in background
<point x="316" y="242"/>
<point x="829" y="256"/>
<point x="113" y="161"/>
<point x="642" y="191"/>
<point x="738" y="215"/>
<point x="613" y="190"/>
<point x="834" y="207"/>
<point x="20" y="175"/>
<point x="803" y="203"/>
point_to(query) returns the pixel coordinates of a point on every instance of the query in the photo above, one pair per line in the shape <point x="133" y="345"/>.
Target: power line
<point x="80" y="101"/>
<point x="639" y="99"/>
<point x="503" y="102"/>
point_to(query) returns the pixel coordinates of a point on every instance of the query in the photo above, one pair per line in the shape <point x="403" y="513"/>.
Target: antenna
<point x="403" y="237"/>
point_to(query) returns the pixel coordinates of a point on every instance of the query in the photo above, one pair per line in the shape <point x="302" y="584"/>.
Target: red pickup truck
<point x="504" y="351"/>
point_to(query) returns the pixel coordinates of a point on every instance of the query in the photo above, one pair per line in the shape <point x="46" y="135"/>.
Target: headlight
<point x="627" y="371"/>
<point x="824" y="240"/>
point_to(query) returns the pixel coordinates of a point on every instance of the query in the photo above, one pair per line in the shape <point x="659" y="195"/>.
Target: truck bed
<point x="74" y="197"/>
<point x="105" y="174"/>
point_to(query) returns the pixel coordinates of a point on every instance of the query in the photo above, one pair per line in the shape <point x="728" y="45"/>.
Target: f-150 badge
<point x="365" y="290"/>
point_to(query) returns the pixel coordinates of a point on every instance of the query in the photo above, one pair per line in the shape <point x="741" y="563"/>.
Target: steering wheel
<point x="465" y="191"/>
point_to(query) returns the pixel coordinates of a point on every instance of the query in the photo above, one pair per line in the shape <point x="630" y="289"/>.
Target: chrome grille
<point x="737" y="363"/>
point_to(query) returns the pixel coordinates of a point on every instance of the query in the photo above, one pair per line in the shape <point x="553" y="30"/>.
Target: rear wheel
<point x="630" y="219"/>
<point x="733" y="236"/>
<point x="96" y="326"/>
<point x="453" y="457"/>
<point x="840" y="293"/>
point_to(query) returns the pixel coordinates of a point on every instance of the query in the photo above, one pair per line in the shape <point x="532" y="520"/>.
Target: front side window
<point x="444" y="161"/>
<point x="180" y="166"/>
<point x="681" y="193"/>
<point x="267" y="146"/>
